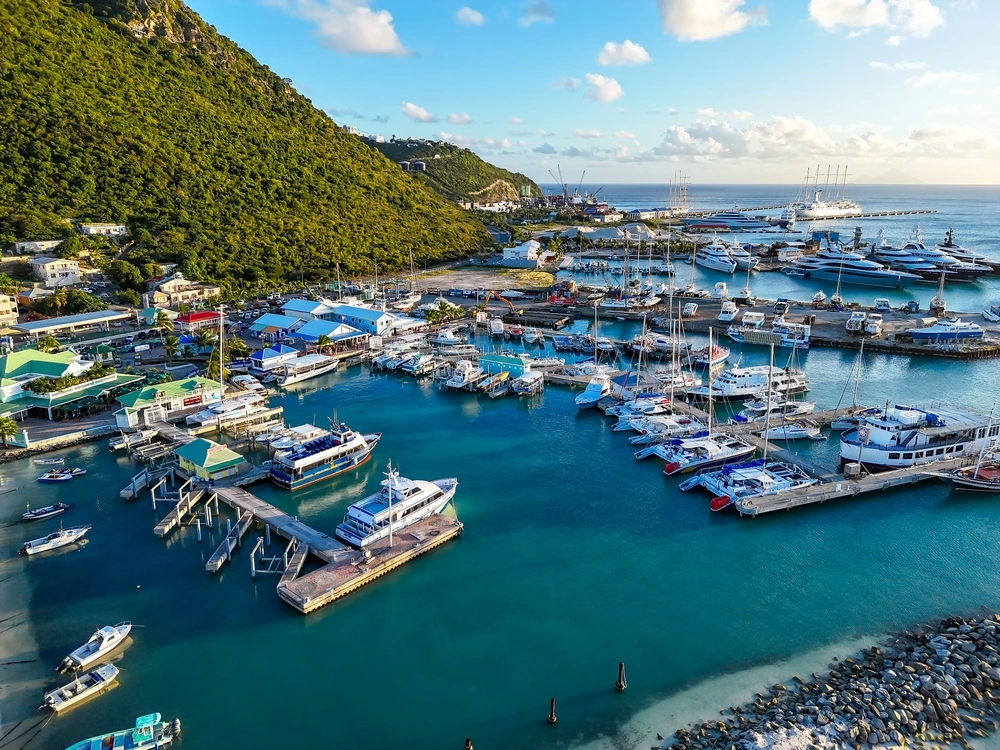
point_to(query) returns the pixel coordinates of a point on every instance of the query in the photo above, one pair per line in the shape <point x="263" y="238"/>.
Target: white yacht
<point x="494" y="327"/>
<point x="101" y="643"/>
<point x="598" y="387"/>
<point x="242" y="405"/>
<point x="749" y="479"/>
<point x="464" y="375"/>
<point x="715" y="256"/>
<point x="305" y="368"/>
<point x="947" y="332"/>
<point x="446" y="337"/>
<point x="748" y="382"/>
<point x="55" y="540"/>
<point x="728" y="312"/>
<point x="743" y="259"/>
<point x="82" y="687"/>
<point x="530" y="336"/>
<point x="684" y="455"/>
<point x="909" y="435"/>
<point x="459" y="350"/>
<point x="805" y="430"/>
<point x="400" y="503"/>
<point x="957" y="270"/>
<point x="958" y="252"/>
<point x="846" y="267"/>
<point x="772" y="409"/>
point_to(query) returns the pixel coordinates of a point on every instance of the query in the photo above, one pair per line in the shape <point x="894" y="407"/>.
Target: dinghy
<point x="49" y="461"/>
<point x="85" y="686"/>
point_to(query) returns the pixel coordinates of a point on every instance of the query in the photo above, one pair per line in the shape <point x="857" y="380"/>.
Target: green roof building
<point x="208" y="460"/>
<point x="166" y="402"/>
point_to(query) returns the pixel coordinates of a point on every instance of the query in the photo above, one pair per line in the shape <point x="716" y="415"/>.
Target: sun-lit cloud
<point x="894" y="40"/>
<point x="515" y="120"/>
<point x="538" y="11"/>
<point x="625" y="135"/>
<point x="417" y="113"/>
<point x="698" y="20"/>
<point x="937" y="77"/>
<point x="918" y="18"/>
<point x="602" y="88"/>
<point x="878" y="65"/>
<point x="469" y="17"/>
<point x="626" y="53"/>
<point x="347" y="26"/>
<point x="587" y="133"/>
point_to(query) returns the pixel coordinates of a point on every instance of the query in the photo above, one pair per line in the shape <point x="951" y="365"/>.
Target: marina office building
<point x="166" y="402"/>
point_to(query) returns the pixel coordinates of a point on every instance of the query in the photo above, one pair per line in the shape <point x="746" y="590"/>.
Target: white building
<point x="8" y="311"/>
<point x="608" y="218"/>
<point x="108" y="230"/>
<point x="524" y="255"/>
<point x="55" y="272"/>
<point x="33" y="247"/>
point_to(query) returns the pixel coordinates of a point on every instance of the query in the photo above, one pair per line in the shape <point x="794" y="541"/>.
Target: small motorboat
<point x="77" y="471"/>
<point x="49" y="461"/>
<point x="819" y="298"/>
<point x="49" y="511"/>
<point x="54" y="540"/>
<point x="721" y="502"/>
<point x="90" y="684"/>
<point x="102" y="642"/>
<point x="56" y="475"/>
<point x="150" y="732"/>
<point x="805" y="430"/>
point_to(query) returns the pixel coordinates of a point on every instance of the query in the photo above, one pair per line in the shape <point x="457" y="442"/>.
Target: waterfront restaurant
<point x="263" y="361"/>
<point x="166" y="402"/>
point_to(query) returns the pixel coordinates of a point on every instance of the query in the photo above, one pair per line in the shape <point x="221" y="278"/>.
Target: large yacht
<point x="903" y="260"/>
<point x="957" y="270"/>
<point x="958" y="252"/>
<point x="742" y="257"/>
<point x="715" y="256"/>
<point x="838" y="264"/>
<point x="326" y="456"/>
<point x="748" y="382"/>
<point x="727" y="221"/>
<point x="947" y="332"/>
<point x="400" y="503"/>
<point x="908" y="435"/>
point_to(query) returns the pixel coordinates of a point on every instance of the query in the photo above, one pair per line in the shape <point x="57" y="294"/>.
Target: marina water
<point x="574" y="557"/>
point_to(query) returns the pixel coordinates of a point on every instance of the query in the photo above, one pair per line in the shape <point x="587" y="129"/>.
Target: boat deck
<point x="338" y="579"/>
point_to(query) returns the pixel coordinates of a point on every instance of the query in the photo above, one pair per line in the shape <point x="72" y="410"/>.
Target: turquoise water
<point x="574" y="557"/>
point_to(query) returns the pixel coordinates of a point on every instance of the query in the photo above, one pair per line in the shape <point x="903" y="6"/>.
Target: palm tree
<point x="59" y="298"/>
<point x="237" y="349"/>
<point x="323" y="342"/>
<point x="48" y="344"/>
<point x="8" y="429"/>
<point x="212" y="372"/>
<point x="172" y="346"/>
<point x="204" y="339"/>
<point x="187" y="351"/>
<point x="163" y="322"/>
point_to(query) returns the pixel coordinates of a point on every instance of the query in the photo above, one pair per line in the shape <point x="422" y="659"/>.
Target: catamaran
<point x="82" y="687"/>
<point x="149" y="733"/>
<point x="101" y="643"/>
<point x="55" y="540"/>
<point x="748" y="479"/>
<point x="400" y="503"/>
<point x="340" y="450"/>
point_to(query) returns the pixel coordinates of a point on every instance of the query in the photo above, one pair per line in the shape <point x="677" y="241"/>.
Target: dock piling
<point x="197" y="527"/>
<point x="229" y="526"/>
<point x="468" y="744"/>
<point x="552" y="711"/>
<point x="267" y="534"/>
<point x="621" y="683"/>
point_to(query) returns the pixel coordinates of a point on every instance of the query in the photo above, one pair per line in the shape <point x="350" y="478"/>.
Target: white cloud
<point x="706" y="112"/>
<point x="538" y="11"/>
<point x="894" y="40"/>
<point x="602" y="88"/>
<point x="587" y="133"/>
<point x="626" y="53"/>
<point x="740" y="114"/>
<point x="625" y="135"/>
<point x="414" y="112"/>
<point x="673" y="111"/>
<point x="545" y="133"/>
<point x="347" y="26"/>
<point x="698" y="20"/>
<point x="456" y="118"/>
<point x="917" y="18"/>
<point x="469" y="17"/>
<point x="878" y="65"/>
<point x="516" y="120"/>
<point x="566" y="84"/>
<point x="462" y="140"/>
<point x="937" y="77"/>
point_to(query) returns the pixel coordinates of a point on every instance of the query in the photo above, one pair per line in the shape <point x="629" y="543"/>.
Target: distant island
<point x="890" y="177"/>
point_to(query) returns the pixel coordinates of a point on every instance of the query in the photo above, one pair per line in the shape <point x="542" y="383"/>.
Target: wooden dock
<point x="225" y="551"/>
<point x="820" y="493"/>
<point x="338" y="579"/>
<point x="175" y="517"/>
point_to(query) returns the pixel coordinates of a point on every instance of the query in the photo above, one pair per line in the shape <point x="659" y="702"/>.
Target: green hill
<point x="138" y="111"/>
<point x="458" y="173"/>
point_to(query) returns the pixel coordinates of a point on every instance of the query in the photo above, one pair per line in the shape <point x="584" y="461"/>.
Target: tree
<point x="172" y="346"/>
<point x="162" y="322"/>
<point x="129" y="297"/>
<point x="8" y="429"/>
<point x="323" y="343"/>
<point x="237" y="349"/>
<point x="70" y="247"/>
<point x="48" y="344"/>
<point x="8" y="285"/>
<point x="212" y="371"/>
<point x="125" y="275"/>
<point x="78" y="301"/>
<point x="188" y="351"/>
<point x="204" y="339"/>
<point x="59" y="298"/>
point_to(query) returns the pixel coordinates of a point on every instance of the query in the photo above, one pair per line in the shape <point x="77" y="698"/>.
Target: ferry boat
<point x="305" y="368"/>
<point x="101" y="643"/>
<point x="747" y="382"/>
<point x="847" y="267"/>
<point x="55" y="540"/>
<point x="340" y="450"/>
<point x="242" y="405"/>
<point x="598" y="387"/>
<point x="684" y="455"/>
<point x="908" y="436"/>
<point x="947" y="332"/>
<point x="748" y="479"/>
<point x="400" y="503"/>
<point x="715" y="257"/>
<point x="149" y="733"/>
<point x="84" y="686"/>
<point x="49" y="511"/>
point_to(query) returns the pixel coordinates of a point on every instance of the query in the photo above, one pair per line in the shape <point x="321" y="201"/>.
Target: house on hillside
<point x="33" y="247"/>
<point x="108" y="230"/>
<point x="176" y="290"/>
<point x="56" y="272"/>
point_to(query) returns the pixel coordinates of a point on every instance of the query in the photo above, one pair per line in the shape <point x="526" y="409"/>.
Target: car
<point x="780" y="307"/>
<point x="116" y="324"/>
<point x="128" y="339"/>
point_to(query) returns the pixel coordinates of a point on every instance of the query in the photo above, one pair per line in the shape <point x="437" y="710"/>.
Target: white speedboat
<point x="805" y="430"/>
<point x="101" y="643"/>
<point x="400" y="503"/>
<point x="55" y="540"/>
<point x="49" y="461"/>
<point x="464" y="375"/>
<point x="92" y="683"/>
<point x="597" y="388"/>
<point x="715" y="257"/>
<point x="530" y="336"/>
<point x="446" y="337"/>
<point x="643" y="406"/>
<point x="748" y="479"/>
<point x="495" y="328"/>
<point x="40" y="514"/>
<point x="684" y="455"/>
<point x="149" y="733"/>
<point x="728" y="311"/>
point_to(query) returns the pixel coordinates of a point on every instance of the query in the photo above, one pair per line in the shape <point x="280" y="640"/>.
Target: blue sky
<point x="724" y="90"/>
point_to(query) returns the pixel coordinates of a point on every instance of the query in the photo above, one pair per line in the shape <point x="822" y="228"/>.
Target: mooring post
<point x="552" y="711"/>
<point x="229" y="526"/>
<point x="253" y="568"/>
<point x="621" y="683"/>
<point x="267" y="534"/>
<point x="197" y="526"/>
<point x="208" y="516"/>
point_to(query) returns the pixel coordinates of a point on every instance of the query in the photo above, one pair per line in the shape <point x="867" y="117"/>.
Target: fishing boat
<point x="804" y="430"/>
<point x="102" y="642"/>
<point x="54" y="540"/>
<point x="597" y="388"/>
<point x="901" y="435"/>
<point x="84" y="686"/>
<point x="748" y="479"/>
<point x="494" y="327"/>
<point x="728" y="311"/>
<point x="49" y="511"/>
<point x="399" y="504"/>
<point x="149" y="733"/>
<point x="947" y="332"/>
<point x="306" y="367"/>
<point x="49" y="461"/>
<point x="340" y="450"/>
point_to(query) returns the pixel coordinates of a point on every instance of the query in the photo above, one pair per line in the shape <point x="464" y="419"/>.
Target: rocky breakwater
<point x="935" y="688"/>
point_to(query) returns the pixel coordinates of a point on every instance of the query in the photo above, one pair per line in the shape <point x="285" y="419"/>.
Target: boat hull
<point x="888" y="281"/>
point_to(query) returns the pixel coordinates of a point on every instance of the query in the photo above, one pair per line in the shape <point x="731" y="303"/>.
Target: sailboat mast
<point x="710" y="382"/>
<point x="857" y="380"/>
<point x="767" y="413"/>
<point x="391" y="478"/>
<point x="986" y="441"/>
<point x="222" y="360"/>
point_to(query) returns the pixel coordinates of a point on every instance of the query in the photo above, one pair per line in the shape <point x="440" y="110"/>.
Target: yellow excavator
<point x="493" y="295"/>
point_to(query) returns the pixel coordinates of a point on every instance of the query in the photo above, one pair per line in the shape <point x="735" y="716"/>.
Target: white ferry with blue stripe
<point x="339" y="450"/>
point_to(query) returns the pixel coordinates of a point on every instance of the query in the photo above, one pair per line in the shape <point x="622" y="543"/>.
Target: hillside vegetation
<point x="137" y="111"/>
<point x="458" y="173"/>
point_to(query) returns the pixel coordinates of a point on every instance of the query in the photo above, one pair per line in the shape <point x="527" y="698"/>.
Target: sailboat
<point x="854" y="416"/>
<point x="985" y="475"/>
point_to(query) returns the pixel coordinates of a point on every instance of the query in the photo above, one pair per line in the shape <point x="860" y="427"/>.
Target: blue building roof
<point x="274" y="320"/>
<point x="312" y="330"/>
<point x="272" y="351"/>
<point x="362" y="313"/>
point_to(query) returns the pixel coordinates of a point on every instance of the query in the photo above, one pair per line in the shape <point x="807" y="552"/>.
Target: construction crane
<point x="565" y="187"/>
<point x="578" y="187"/>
